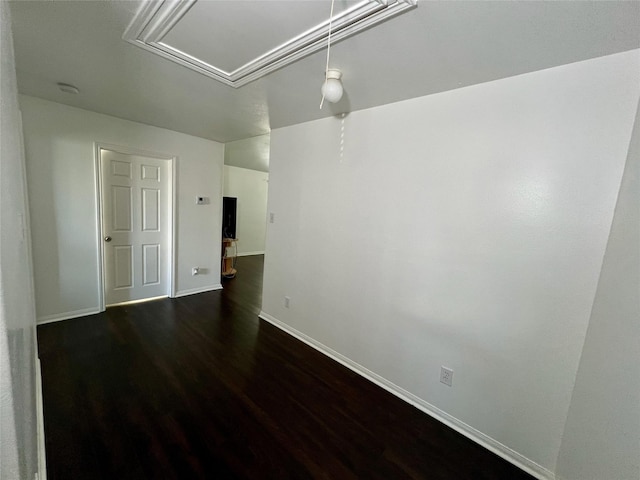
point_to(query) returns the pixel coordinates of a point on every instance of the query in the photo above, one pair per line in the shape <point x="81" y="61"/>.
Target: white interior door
<point x="135" y="226"/>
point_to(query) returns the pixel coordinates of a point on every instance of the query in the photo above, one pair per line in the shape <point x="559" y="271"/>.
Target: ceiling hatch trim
<point x="155" y="19"/>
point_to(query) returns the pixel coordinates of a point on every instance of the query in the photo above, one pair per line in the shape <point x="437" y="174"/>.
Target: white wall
<point x="61" y="177"/>
<point x="18" y="438"/>
<point x="464" y="229"/>
<point x="602" y="434"/>
<point x="251" y="153"/>
<point x="250" y="188"/>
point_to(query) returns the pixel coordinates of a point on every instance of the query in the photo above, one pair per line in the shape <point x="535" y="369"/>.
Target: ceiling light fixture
<point x="332" y="89"/>
<point x="67" y="88"/>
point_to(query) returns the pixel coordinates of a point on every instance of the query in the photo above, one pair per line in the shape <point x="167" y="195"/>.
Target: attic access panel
<point x="236" y="42"/>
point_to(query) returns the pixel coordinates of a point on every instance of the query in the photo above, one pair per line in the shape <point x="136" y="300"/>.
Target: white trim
<point x="99" y="243"/>
<point x="56" y="317"/>
<point x="173" y="161"/>
<point x="468" y="431"/>
<point x="246" y="254"/>
<point x="193" y="291"/>
<point x="173" y="264"/>
<point x="42" y="456"/>
<point x="154" y="20"/>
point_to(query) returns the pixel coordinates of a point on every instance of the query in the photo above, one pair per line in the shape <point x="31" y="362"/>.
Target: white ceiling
<point x="438" y="46"/>
<point x="264" y="36"/>
<point x="253" y="28"/>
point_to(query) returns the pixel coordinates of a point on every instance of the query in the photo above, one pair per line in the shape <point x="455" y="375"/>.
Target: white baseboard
<point x="56" y="317"/>
<point x="468" y="431"/>
<point x="247" y="254"/>
<point x="193" y="291"/>
<point x="42" y="457"/>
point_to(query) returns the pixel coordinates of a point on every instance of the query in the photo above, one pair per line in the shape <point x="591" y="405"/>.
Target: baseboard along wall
<point x="193" y="291"/>
<point x="42" y="457"/>
<point x="468" y="431"/>
<point x="56" y="317"/>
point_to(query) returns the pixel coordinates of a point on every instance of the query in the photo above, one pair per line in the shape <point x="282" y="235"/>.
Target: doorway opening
<point x="245" y="190"/>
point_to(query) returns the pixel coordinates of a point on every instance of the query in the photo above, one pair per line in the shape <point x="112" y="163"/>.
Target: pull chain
<point x="326" y="70"/>
<point x="342" y="139"/>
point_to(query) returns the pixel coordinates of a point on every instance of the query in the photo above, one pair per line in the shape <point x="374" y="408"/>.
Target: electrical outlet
<point x="195" y="270"/>
<point x="287" y="301"/>
<point x="446" y="375"/>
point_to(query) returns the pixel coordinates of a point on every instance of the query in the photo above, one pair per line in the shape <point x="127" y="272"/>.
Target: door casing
<point x="173" y="160"/>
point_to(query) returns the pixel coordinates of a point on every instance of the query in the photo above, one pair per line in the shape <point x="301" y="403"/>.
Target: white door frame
<point x="173" y="160"/>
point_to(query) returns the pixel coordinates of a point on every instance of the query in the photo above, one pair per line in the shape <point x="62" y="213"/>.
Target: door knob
<point x="107" y="238"/>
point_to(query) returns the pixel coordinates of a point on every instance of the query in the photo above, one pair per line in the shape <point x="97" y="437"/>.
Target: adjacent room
<point x="244" y="205"/>
<point x="320" y="239"/>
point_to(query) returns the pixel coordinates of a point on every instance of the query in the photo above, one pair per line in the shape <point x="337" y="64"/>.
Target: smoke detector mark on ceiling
<point x="156" y="28"/>
<point x="68" y="88"/>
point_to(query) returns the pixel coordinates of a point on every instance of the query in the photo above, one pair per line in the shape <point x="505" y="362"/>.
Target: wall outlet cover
<point x="446" y="375"/>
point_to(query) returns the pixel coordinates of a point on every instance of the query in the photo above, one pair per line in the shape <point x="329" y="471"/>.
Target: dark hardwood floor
<point x="199" y="387"/>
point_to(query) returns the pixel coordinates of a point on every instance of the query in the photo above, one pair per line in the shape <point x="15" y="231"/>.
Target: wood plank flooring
<point x="199" y="388"/>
